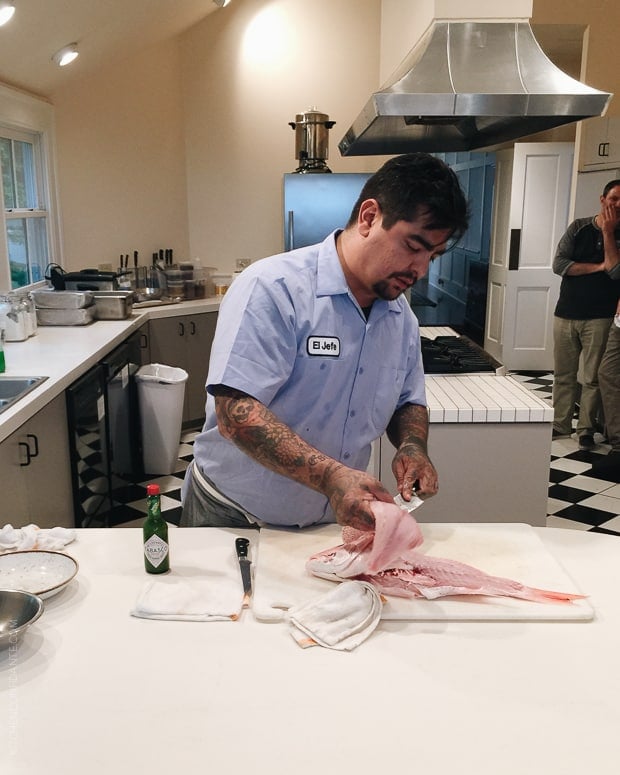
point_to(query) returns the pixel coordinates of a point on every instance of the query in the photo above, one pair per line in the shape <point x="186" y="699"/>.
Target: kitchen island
<point x="91" y="689"/>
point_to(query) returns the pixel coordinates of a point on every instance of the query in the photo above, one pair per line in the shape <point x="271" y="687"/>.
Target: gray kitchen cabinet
<point x="185" y="341"/>
<point x="35" y="473"/>
<point x="600" y="144"/>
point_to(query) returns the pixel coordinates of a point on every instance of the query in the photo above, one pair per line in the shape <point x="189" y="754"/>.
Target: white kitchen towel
<point x="33" y="537"/>
<point x="198" y="601"/>
<point x="341" y="619"/>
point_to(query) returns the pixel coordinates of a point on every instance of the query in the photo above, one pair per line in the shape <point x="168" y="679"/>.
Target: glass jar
<point x="30" y="312"/>
<point x="16" y="319"/>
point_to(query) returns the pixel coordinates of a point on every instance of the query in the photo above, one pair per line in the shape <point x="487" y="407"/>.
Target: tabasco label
<point x="155" y="550"/>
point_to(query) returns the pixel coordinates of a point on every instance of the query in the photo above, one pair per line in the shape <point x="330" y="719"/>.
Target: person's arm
<point x="563" y="263"/>
<point x="608" y="222"/>
<point x="408" y="432"/>
<point x="252" y="427"/>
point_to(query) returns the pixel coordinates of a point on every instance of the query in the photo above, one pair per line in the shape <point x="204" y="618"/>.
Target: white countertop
<point x="63" y="353"/>
<point x="91" y="689"/>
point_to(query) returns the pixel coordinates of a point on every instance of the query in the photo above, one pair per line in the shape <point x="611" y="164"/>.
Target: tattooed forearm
<point x="261" y="435"/>
<point x="409" y="426"/>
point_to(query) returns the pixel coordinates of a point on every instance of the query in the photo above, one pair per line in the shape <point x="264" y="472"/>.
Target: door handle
<point x="291" y="230"/>
<point x="181" y="329"/>
<point x="192" y="328"/>
<point x="30" y="453"/>
<point x="514" y="250"/>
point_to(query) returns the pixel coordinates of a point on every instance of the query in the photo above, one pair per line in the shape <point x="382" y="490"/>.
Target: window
<point x="25" y="213"/>
<point x="28" y="229"/>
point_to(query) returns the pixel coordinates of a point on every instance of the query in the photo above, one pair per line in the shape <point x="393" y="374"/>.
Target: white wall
<point x="184" y="145"/>
<point x="121" y="160"/>
<point x="247" y="71"/>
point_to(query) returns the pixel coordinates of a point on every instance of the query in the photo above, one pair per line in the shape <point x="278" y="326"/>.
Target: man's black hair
<point x="413" y="184"/>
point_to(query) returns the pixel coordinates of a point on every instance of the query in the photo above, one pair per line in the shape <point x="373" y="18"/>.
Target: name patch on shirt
<point x="323" y="345"/>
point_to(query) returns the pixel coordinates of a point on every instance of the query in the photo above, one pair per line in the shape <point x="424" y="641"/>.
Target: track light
<point x="66" y="55"/>
<point x="221" y="3"/>
<point x="7" y="9"/>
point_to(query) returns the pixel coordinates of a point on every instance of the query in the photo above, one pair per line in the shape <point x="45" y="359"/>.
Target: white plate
<point x="40" y="572"/>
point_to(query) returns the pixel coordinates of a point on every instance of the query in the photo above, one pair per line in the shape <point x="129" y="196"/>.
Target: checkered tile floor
<point x="577" y="499"/>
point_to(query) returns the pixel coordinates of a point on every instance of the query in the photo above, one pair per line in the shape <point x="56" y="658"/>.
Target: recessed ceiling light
<point x="221" y="3"/>
<point x="7" y="9"/>
<point x="66" y="55"/>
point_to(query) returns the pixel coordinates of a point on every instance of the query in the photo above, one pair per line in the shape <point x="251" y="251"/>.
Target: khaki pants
<point x="609" y="382"/>
<point x="577" y="343"/>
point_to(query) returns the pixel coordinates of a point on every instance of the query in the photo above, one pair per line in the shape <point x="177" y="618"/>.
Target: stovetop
<point x="456" y="355"/>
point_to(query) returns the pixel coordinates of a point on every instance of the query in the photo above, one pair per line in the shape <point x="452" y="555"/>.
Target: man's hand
<point x="350" y="494"/>
<point x="414" y="472"/>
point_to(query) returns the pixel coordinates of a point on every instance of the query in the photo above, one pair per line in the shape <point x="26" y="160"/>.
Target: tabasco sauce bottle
<point x="155" y="534"/>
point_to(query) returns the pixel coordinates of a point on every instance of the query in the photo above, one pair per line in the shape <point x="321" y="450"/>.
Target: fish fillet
<point x="388" y="559"/>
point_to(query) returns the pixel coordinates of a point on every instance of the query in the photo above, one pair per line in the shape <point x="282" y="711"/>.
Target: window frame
<point x="31" y="117"/>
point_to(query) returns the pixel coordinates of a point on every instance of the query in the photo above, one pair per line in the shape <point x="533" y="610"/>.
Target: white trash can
<point x="161" y="390"/>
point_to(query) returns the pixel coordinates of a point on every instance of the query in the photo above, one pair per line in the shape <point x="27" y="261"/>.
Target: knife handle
<point x="241" y="545"/>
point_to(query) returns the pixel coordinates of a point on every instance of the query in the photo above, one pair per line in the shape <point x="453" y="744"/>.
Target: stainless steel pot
<point x="312" y="140"/>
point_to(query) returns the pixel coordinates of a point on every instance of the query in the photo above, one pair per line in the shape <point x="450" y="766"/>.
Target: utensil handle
<point x="241" y="544"/>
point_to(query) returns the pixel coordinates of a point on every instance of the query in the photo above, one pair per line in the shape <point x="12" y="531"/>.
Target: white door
<point x="530" y="214"/>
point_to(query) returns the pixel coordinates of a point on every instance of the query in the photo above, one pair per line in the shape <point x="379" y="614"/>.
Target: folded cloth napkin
<point x="341" y="619"/>
<point x="198" y="601"/>
<point x="33" y="537"/>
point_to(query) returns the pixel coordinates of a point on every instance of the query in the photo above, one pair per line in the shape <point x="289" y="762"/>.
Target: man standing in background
<point x="588" y="261"/>
<point x="608" y="467"/>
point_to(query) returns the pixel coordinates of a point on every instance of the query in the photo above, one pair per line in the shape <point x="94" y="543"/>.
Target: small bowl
<point x="40" y="572"/>
<point x="18" y="610"/>
<point x="148" y="293"/>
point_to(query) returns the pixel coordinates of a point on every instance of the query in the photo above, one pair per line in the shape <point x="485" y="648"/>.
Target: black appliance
<point x="88" y="446"/>
<point x="456" y="355"/>
<point x="104" y="436"/>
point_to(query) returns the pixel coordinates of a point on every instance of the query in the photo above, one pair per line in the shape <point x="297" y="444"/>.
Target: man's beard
<point x="384" y="289"/>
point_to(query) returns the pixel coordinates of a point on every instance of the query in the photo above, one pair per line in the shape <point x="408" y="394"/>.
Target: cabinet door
<point x="14" y="504"/>
<point x="167" y="341"/>
<point x="35" y="473"/>
<point x="199" y="334"/>
<point x="600" y="144"/>
<point x="48" y="475"/>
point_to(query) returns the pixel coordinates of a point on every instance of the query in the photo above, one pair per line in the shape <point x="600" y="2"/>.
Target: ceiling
<point x="103" y="30"/>
<point x="109" y="29"/>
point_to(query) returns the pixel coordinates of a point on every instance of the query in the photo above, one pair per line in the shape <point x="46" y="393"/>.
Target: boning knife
<point x="242" y="545"/>
<point x="409" y="506"/>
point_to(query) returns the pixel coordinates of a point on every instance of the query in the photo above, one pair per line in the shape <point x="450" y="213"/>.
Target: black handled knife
<point x="242" y="544"/>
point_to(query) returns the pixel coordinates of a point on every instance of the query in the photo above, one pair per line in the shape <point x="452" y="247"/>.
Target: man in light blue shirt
<point x="316" y="355"/>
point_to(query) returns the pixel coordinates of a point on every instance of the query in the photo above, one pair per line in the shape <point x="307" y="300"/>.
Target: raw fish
<point x="388" y="559"/>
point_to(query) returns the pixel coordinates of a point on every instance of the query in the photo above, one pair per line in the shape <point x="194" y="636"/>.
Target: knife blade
<point x="242" y="544"/>
<point x="409" y="506"/>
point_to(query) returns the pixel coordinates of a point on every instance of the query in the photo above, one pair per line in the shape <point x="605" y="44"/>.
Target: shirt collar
<point x="331" y="280"/>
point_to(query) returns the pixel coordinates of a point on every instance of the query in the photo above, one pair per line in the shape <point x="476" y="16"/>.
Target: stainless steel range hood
<point x="469" y="85"/>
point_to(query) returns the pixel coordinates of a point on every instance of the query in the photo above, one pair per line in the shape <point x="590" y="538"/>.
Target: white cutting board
<point x="513" y="551"/>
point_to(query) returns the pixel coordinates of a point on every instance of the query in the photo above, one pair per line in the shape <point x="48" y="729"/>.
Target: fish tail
<point x="549" y="596"/>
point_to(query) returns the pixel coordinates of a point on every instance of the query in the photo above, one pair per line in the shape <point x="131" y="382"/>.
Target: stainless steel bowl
<point x="18" y="610"/>
<point x="148" y="294"/>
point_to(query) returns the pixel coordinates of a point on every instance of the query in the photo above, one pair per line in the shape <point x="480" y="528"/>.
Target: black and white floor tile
<point x="577" y="499"/>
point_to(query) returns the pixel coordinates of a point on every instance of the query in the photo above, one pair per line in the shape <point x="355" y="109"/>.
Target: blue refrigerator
<point x="316" y="204"/>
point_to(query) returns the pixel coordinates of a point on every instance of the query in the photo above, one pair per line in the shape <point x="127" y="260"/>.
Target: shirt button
<point x="352" y="413"/>
<point x="361" y="370"/>
<point x="346" y="455"/>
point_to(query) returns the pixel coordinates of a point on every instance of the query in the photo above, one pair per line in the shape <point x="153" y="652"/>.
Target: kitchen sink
<point x="14" y="388"/>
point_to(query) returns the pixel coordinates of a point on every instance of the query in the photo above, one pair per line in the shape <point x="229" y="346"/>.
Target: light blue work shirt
<point x="290" y="334"/>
